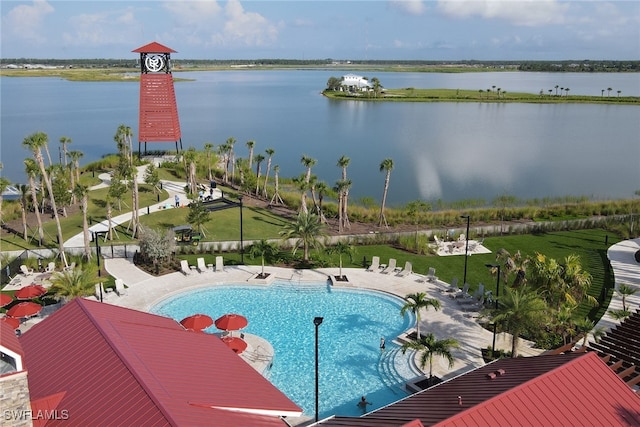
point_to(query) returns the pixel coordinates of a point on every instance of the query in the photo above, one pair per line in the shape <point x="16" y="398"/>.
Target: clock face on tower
<point x="154" y="63"/>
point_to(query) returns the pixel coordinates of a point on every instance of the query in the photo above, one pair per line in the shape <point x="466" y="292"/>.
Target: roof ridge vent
<point x="491" y="375"/>
<point x="500" y="372"/>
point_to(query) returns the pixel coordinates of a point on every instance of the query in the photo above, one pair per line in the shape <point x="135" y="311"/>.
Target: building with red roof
<point x="546" y="390"/>
<point x="109" y="365"/>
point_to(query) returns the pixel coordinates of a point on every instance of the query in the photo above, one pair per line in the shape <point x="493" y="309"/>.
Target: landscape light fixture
<point x="317" y="321"/>
<point x="497" y="267"/>
<point x="466" y="249"/>
<point x="241" y="233"/>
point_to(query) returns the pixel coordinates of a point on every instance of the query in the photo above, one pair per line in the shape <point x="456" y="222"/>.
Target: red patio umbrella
<point x="24" y="309"/>
<point x="30" y="292"/>
<point x="197" y="322"/>
<point x="14" y="323"/>
<point x="231" y="322"/>
<point x="5" y="299"/>
<point x="238" y="345"/>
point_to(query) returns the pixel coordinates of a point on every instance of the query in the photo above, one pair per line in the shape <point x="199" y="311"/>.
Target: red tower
<point x="159" y="120"/>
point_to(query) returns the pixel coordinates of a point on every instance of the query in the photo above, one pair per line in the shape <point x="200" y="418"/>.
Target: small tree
<point x="156" y="246"/>
<point x="415" y="303"/>
<point x="342" y="248"/>
<point x="198" y="215"/>
<point x="263" y="249"/>
<point x="428" y="346"/>
<point x="77" y="282"/>
<point x="306" y="229"/>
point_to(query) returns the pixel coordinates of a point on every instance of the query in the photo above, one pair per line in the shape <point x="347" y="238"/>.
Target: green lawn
<point x="589" y="245"/>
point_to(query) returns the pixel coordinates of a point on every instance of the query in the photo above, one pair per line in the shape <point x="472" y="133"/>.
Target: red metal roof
<point x="125" y="367"/>
<point x="516" y="391"/>
<point x="154" y="47"/>
<point x="158" y="116"/>
<point x="584" y="391"/>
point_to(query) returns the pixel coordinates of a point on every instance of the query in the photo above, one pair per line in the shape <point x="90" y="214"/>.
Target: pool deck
<point x="144" y="291"/>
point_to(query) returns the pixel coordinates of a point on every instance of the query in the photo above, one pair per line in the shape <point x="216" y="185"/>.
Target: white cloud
<point x="100" y="29"/>
<point x="517" y="12"/>
<point x="248" y="28"/>
<point x="412" y="7"/>
<point x="193" y="13"/>
<point x="25" y="21"/>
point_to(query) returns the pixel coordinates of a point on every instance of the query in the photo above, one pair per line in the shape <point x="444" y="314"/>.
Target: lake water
<point x="448" y="151"/>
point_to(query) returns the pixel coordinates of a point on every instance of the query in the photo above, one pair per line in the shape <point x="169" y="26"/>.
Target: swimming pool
<point x="350" y="363"/>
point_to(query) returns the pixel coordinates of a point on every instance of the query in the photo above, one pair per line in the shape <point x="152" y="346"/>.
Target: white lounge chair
<point x="407" y="270"/>
<point x="120" y="288"/>
<point x="431" y="275"/>
<point x="26" y="270"/>
<point x="465" y="292"/>
<point x="453" y="286"/>
<point x="184" y="267"/>
<point x="202" y="267"/>
<point x="219" y="263"/>
<point x="51" y="267"/>
<point x="391" y="267"/>
<point x="375" y="264"/>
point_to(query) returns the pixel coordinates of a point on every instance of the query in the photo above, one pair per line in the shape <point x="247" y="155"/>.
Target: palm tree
<point x="415" y="303"/>
<point x="428" y="346"/>
<point x="208" y="147"/>
<point x="123" y="138"/>
<point x="308" y="162"/>
<point x="270" y="152"/>
<point x="503" y="202"/>
<point x="35" y="142"/>
<point x="231" y="142"/>
<point x="24" y="205"/>
<point x="190" y="160"/>
<point x="625" y="291"/>
<point x="82" y="193"/>
<point x="519" y="310"/>
<point x="619" y="92"/>
<point x="224" y="150"/>
<point x="31" y="168"/>
<point x="259" y="158"/>
<point x="387" y="166"/>
<point x="250" y="145"/>
<point x="341" y="188"/>
<point x="342" y="248"/>
<point x="263" y="249"/>
<point x="343" y="162"/>
<point x="306" y="229"/>
<point x="609" y="92"/>
<point x="64" y="141"/>
<point x="77" y="282"/>
<point x="321" y="189"/>
<point x="276" y="193"/>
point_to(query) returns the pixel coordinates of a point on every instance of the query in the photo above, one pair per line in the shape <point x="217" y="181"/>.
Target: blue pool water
<point x="350" y="363"/>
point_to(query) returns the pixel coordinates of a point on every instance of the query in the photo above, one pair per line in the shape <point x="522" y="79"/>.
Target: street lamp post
<point x="317" y="321"/>
<point x="95" y="237"/>
<point x="466" y="249"/>
<point x="497" y="267"/>
<point x="241" y="233"/>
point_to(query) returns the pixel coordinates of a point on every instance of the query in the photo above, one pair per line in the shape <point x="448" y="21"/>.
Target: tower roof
<point x="154" y="47"/>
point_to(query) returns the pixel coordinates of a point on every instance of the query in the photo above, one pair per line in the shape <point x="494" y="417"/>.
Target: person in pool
<point x="382" y="344"/>
<point x="363" y="404"/>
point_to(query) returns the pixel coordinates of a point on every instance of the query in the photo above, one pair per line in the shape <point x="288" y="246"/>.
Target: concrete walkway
<point x="172" y="187"/>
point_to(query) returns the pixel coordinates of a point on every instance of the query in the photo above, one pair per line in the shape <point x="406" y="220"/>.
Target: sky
<point x="341" y="30"/>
